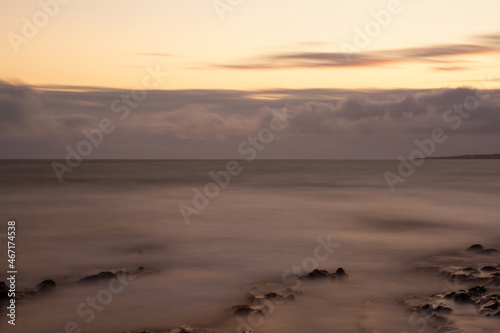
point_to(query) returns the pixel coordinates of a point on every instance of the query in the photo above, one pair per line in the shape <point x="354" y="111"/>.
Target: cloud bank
<point x="330" y="123"/>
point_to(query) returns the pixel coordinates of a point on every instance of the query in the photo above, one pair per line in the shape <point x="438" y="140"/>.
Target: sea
<point x="206" y="237"/>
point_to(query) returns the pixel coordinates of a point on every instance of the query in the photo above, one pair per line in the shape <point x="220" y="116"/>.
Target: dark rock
<point x="470" y="270"/>
<point x="488" y="251"/>
<point x="272" y="295"/>
<point x="491" y="305"/>
<point x="431" y="309"/>
<point x="322" y="274"/>
<point x="460" y="276"/>
<point x="441" y="308"/>
<point x="450" y="295"/>
<point x="489" y="269"/>
<point x="252" y="299"/>
<point x="475" y="248"/>
<point x="243" y="310"/>
<point x="141" y="269"/>
<point x="340" y="273"/>
<point x="46" y="286"/>
<point x="477" y="291"/>
<point x="462" y="297"/>
<point x="103" y="276"/>
<point x="316" y="274"/>
<point x="290" y="298"/>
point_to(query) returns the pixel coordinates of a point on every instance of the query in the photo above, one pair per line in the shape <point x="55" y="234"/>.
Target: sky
<point x="364" y="79"/>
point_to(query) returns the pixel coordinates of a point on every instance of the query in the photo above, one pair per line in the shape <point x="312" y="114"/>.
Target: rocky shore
<point x="472" y="280"/>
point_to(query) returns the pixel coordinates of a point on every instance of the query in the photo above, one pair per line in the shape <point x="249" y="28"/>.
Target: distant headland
<point x="469" y="157"/>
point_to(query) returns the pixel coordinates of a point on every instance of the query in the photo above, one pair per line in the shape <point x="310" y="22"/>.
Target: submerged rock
<point x="489" y="251"/>
<point x="46" y="286"/>
<point x="243" y="310"/>
<point x="475" y="248"/>
<point x="103" y="276"/>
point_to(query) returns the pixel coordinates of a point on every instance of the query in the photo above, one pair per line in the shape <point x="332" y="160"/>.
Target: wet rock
<point x="257" y="297"/>
<point x="442" y="308"/>
<point x="430" y="309"/>
<point x="340" y="273"/>
<point x="488" y="251"/>
<point x="477" y="291"/>
<point x="323" y="274"/>
<point x="450" y="295"/>
<point x="45" y="286"/>
<point x="316" y="274"/>
<point x="489" y="269"/>
<point x="471" y="271"/>
<point x="273" y="295"/>
<point x="496" y="315"/>
<point x="460" y="276"/>
<point x="103" y="276"/>
<point x="472" y="281"/>
<point x="475" y="248"/>
<point x="243" y="310"/>
<point x="494" y="280"/>
<point x="462" y="297"/>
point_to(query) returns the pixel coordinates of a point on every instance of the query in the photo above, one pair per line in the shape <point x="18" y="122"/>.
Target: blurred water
<point x="114" y="214"/>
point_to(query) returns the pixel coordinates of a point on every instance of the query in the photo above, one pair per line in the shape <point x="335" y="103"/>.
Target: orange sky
<point x="250" y="46"/>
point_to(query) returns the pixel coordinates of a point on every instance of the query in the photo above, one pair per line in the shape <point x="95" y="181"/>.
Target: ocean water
<point x="270" y="219"/>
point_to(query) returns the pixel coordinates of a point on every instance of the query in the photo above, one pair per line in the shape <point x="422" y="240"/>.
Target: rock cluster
<point x="259" y="299"/>
<point x="476" y="270"/>
<point x="323" y="274"/>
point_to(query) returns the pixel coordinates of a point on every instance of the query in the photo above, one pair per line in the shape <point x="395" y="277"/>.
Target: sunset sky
<point x="258" y="50"/>
<point x="107" y="43"/>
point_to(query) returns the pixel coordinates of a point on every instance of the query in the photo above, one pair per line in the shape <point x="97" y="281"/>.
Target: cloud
<point x="492" y="39"/>
<point x="39" y="123"/>
<point x="321" y="60"/>
<point x="450" y="68"/>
